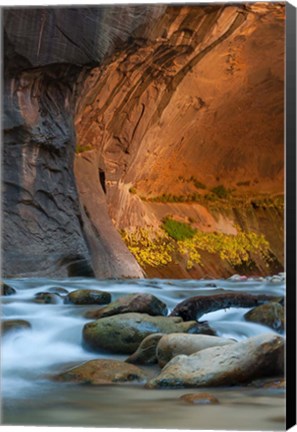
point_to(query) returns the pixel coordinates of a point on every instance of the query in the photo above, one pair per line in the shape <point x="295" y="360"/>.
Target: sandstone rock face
<point x="102" y="372"/>
<point x="85" y="296"/>
<point x="48" y="53"/>
<point x="141" y="303"/>
<point x="136" y="92"/>
<point x="197" y="99"/>
<point x="255" y="357"/>
<point x="123" y="333"/>
<point x="173" y="345"/>
<point x="271" y="314"/>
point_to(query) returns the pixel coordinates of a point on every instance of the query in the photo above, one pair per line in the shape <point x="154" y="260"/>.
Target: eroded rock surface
<point x="259" y="356"/>
<point x="136" y="91"/>
<point x="124" y="332"/>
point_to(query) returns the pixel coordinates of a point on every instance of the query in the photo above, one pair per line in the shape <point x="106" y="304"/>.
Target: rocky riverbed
<point x="111" y="353"/>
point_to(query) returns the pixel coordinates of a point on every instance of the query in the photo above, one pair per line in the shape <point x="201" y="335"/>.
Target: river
<point x="53" y="344"/>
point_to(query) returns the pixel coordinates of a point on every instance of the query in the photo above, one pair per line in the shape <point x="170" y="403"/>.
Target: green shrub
<point x="243" y="183"/>
<point x="220" y="191"/>
<point x="198" y="184"/>
<point x="81" y="149"/>
<point x="178" y="230"/>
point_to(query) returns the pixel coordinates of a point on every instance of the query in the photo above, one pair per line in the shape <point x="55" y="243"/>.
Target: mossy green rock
<point x="85" y="297"/>
<point x="270" y="314"/>
<point x="102" y="372"/>
<point x="124" y="332"/>
<point x="141" y="303"/>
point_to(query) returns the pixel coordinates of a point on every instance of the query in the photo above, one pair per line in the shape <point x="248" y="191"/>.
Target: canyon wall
<point x="116" y="117"/>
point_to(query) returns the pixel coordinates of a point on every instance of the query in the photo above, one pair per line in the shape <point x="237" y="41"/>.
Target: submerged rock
<point x="175" y="344"/>
<point x="7" y="290"/>
<point x="142" y="303"/>
<point x="200" y="399"/>
<point x="253" y="358"/>
<point x="123" y="333"/>
<point x="47" y="298"/>
<point x="85" y="296"/>
<point x="271" y="314"/>
<point x="14" y="325"/>
<point x="103" y="371"/>
<point x="146" y="352"/>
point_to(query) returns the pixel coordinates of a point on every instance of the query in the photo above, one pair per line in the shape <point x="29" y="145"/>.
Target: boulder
<point x="194" y="307"/>
<point x="141" y="303"/>
<point x="199" y="399"/>
<point x="103" y="371"/>
<point x="7" y="290"/>
<point x="86" y="296"/>
<point x="256" y="357"/>
<point x="47" y="298"/>
<point x="146" y="352"/>
<point x="271" y="314"/>
<point x="176" y="343"/>
<point x="123" y="333"/>
<point x="58" y="290"/>
<point x="14" y="325"/>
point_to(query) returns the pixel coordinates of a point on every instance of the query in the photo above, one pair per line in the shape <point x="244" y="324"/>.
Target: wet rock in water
<point x="176" y="343"/>
<point x="194" y="307"/>
<point x="200" y="399"/>
<point x="256" y="357"/>
<point x="141" y="303"/>
<point x="271" y="314"/>
<point x="47" y="298"/>
<point x="85" y="296"/>
<point x="146" y="352"/>
<point x="278" y="383"/>
<point x="103" y="371"/>
<point x="7" y="290"/>
<point x="123" y="333"/>
<point x="14" y="325"/>
<point x="58" y="290"/>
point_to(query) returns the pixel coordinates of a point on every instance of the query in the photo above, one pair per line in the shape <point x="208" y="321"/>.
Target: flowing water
<point x="53" y="344"/>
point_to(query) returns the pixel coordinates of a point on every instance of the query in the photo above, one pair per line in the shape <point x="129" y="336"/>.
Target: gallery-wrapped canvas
<point x="148" y="186"/>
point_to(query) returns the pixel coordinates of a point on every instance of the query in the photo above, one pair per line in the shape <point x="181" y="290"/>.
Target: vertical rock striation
<point x="144" y="95"/>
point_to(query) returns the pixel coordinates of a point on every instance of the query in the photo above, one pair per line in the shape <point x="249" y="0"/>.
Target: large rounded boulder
<point x="226" y="365"/>
<point x="88" y="297"/>
<point x="103" y="371"/>
<point x="270" y="314"/>
<point x="124" y="332"/>
<point x="141" y="303"/>
<point x="175" y="344"/>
